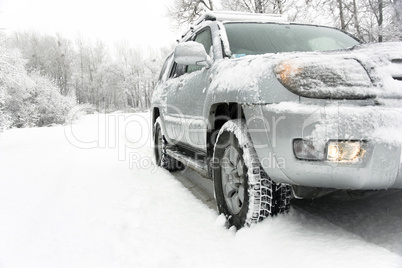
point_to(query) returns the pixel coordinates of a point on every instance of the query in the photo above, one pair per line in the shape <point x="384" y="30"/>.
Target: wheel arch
<point x="218" y="115"/>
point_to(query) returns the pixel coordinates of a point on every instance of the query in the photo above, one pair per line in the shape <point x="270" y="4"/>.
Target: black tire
<point x="244" y="192"/>
<point x="162" y="159"/>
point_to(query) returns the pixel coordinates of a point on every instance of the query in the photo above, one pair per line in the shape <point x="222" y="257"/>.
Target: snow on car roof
<point x="240" y="16"/>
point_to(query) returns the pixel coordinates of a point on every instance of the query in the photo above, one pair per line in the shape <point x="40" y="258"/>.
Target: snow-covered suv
<point x="272" y="110"/>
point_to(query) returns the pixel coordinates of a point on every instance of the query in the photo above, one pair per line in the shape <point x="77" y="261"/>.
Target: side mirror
<point x="192" y="53"/>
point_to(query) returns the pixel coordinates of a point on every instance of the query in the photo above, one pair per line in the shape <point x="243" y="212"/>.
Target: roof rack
<point x="239" y="16"/>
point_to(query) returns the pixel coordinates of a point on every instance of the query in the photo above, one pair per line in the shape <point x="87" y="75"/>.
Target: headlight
<point x="334" y="151"/>
<point x="325" y="77"/>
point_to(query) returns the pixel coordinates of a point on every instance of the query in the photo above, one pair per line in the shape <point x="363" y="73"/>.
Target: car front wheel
<point x="244" y="193"/>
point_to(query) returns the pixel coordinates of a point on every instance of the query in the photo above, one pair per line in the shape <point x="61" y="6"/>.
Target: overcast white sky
<point x="139" y="22"/>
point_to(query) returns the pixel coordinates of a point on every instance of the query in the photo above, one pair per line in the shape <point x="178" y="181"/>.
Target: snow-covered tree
<point x="46" y="54"/>
<point x="27" y="99"/>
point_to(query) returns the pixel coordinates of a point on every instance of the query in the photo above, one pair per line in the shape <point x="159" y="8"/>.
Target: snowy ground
<point x="78" y="196"/>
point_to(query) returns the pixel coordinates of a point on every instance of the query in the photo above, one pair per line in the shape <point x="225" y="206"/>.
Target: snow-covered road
<point x="88" y="195"/>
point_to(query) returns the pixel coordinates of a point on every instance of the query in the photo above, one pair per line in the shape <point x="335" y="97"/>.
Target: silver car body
<point x="277" y="117"/>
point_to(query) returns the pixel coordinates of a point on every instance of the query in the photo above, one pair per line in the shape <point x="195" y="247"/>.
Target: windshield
<point x="261" y="38"/>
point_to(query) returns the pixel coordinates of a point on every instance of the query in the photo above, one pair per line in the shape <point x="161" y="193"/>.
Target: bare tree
<point x="257" y="6"/>
<point x="341" y="14"/>
<point x="356" y="20"/>
<point x="377" y="8"/>
<point x="279" y="5"/>
<point x="369" y="20"/>
<point x="397" y="18"/>
<point x="377" y="20"/>
<point x="184" y="12"/>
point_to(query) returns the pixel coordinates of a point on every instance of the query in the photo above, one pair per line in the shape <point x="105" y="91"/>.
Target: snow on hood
<point x="383" y="62"/>
<point x="364" y="71"/>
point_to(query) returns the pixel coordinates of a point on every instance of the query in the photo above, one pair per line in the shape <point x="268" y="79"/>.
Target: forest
<point x="42" y="77"/>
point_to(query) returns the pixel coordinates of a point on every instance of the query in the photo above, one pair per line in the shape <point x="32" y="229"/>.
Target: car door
<point x="185" y="100"/>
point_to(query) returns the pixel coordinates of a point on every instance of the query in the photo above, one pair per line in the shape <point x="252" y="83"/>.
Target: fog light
<point x="306" y="150"/>
<point x="333" y="151"/>
<point x="344" y="150"/>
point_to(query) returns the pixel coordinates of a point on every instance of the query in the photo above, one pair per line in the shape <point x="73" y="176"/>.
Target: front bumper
<point x="273" y="128"/>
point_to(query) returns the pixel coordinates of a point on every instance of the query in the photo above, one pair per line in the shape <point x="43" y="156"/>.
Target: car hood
<point x="380" y="62"/>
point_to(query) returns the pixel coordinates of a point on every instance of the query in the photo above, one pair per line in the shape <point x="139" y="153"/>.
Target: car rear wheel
<point x="244" y="193"/>
<point x="162" y="159"/>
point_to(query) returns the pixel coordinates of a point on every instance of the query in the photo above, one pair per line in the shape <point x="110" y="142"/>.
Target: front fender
<point x="262" y="132"/>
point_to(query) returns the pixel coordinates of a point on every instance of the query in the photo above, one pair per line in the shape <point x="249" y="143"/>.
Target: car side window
<point x="205" y="38"/>
<point x="178" y="70"/>
<point x="163" y="73"/>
